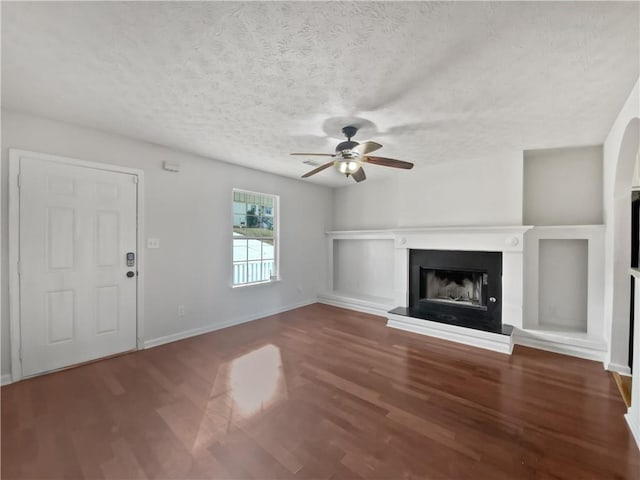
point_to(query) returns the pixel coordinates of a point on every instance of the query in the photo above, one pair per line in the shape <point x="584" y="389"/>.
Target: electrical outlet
<point x="181" y="310"/>
<point x="153" y="243"/>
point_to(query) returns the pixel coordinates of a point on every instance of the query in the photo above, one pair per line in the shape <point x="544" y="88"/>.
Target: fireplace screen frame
<point x="477" y="276"/>
<point x="489" y="318"/>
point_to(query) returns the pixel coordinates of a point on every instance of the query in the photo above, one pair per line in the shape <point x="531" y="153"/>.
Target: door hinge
<point x="135" y="179"/>
<point x="20" y="353"/>
<point x="19" y="267"/>
<point x="19" y="180"/>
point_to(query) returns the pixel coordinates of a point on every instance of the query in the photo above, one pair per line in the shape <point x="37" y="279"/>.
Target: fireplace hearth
<point x="456" y="287"/>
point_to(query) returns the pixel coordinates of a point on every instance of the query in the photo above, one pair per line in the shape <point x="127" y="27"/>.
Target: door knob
<point x="130" y="274"/>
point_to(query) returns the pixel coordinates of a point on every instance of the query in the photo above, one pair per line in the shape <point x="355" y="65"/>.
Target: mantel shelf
<point x="391" y="232"/>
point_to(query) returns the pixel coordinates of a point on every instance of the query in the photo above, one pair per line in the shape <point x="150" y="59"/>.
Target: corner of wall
<point x="611" y="154"/>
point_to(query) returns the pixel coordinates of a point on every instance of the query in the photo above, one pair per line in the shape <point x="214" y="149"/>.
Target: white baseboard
<point x="541" y="343"/>
<point x="616" y="367"/>
<point x="635" y="429"/>
<point x="354" y="303"/>
<point x="468" y="336"/>
<point x="5" y="379"/>
<point x="219" y="326"/>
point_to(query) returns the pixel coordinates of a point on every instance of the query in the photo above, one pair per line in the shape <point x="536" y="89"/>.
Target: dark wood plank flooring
<point x="319" y="392"/>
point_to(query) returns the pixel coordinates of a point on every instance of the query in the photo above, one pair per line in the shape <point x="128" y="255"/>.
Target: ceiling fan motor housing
<point x="346" y="147"/>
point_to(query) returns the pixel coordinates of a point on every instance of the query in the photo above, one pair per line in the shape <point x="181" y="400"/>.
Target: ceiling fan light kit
<point x="350" y="156"/>
<point x="347" y="166"/>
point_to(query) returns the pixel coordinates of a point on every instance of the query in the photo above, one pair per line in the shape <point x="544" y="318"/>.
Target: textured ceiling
<point x="249" y="82"/>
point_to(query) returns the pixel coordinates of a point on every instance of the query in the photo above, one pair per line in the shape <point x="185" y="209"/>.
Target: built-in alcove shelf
<point x="564" y="290"/>
<point x="361" y="270"/>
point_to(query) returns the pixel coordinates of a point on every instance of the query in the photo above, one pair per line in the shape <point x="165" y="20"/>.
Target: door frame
<point x="15" y="155"/>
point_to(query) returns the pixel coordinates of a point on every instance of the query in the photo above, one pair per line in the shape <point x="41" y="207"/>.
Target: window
<point x="255" y="237"/>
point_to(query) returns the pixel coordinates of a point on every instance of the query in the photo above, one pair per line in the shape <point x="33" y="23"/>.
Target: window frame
<point x="276" y="237"/>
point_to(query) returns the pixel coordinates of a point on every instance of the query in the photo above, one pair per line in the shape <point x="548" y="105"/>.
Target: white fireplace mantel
<point x="447" y="230"/>
<point x="507" y="240"/>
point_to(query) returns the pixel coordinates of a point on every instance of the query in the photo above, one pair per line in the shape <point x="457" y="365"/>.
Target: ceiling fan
<point x="350" y="156"/>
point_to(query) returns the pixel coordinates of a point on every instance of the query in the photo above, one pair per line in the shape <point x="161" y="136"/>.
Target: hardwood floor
<point x="319" y="392"/>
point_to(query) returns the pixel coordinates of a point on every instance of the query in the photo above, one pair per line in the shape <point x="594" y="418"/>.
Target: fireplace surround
<point x="457" y="287"/>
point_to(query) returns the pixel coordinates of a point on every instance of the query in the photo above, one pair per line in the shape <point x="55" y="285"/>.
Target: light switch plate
<point x="153" y="243"/>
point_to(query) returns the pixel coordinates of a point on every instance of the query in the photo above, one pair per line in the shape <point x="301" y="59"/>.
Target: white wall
<point x="563" y="186"/>
<point x="190" y="212"/>
<point x="478" y="192"/>
<point x="619" y="156"/>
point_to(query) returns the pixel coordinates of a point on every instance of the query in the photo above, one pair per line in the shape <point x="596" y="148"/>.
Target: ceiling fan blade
<point x="366" y="147"/>
<point x="315" y="154"/>
<point x="388" y="162"/>
<point x="319" y="169"/>
<point x="359" y="175"/>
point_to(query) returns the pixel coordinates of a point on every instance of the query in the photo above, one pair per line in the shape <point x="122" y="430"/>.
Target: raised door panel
<point x="108" y="238"/>
<point x="60" y="313"/>
<point x="107" y="309"/>
<point x="60" y="241"/>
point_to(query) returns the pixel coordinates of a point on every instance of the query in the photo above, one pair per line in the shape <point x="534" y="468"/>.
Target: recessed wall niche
<point x="363" y="268"/>
<point x="563" y="284"/>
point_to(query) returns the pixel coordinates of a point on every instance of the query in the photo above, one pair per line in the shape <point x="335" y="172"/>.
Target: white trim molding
<point x="576" y="346"/>
<point x="616" y="367"/>
<point x="5" y="379"/>
<point x="15" y="157"/>
<point x="372" y="305"/>
<point x="174" y="337"/>
<point x="633" y="426"/>
<point x="633" y="413"/>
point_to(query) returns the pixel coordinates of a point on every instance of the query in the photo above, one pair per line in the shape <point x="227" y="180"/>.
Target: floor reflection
<point x="244" y="387"/>
<point x="256" y="380"/>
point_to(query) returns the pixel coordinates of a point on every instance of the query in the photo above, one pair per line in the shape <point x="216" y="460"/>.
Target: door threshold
<point x="81" y="364"/>
<point x="624" y="386"/>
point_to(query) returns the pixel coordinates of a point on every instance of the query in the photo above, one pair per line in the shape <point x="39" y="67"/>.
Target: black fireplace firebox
<point x="461" y="288"/>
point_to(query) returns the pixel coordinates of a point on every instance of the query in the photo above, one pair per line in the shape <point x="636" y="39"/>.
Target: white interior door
<point x="77" y="225"/>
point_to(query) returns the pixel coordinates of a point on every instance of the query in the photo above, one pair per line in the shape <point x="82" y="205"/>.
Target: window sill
<point x="266" y="282"/>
